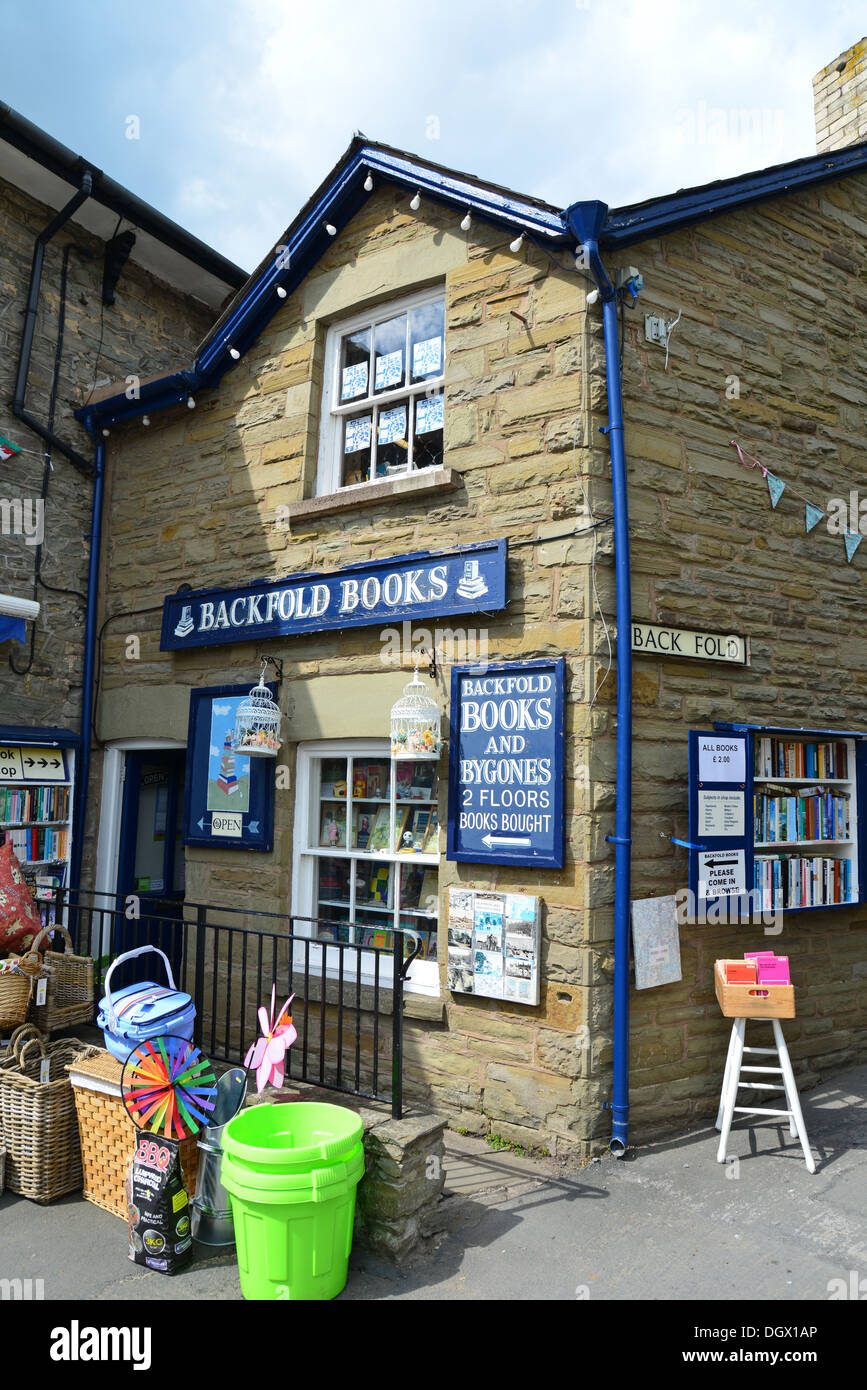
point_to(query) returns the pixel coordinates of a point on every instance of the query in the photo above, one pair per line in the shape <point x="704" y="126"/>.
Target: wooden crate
<point x="108" y="1134"/>
<point x="752" y="1001"/>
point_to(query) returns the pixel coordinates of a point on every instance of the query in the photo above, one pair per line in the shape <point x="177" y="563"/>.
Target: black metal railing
<point x="228" y="959"/>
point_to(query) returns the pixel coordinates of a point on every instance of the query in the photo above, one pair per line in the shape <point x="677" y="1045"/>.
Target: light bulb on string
<point x="234" y="354"/>
<point x="466" y="222"/>
<point x="331" y="229"/>
<point x="145" y="419"/>
<point x="516" y="245"/>
<point x="191" y="403"/>
<point x="281" y="292"/>
<point x="106" y="433"/>
<point x="368" y="184"/>
<point x="415" y="203"/>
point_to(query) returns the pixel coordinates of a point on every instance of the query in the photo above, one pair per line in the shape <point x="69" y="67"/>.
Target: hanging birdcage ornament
<point x="257" y="722"/>
<point x="415" y="722"/>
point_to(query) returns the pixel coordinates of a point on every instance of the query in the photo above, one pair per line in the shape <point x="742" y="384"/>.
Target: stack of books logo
<point x="185" y="622"/>
<point x="471" y="584"/>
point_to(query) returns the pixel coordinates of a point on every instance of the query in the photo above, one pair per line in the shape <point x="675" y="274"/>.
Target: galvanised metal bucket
<point x="211" y="1212"/>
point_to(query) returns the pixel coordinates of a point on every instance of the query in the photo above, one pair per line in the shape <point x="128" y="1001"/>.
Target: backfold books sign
<point x="405" y="587"/>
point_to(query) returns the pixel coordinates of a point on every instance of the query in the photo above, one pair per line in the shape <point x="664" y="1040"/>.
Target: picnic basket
<point x="16" y="988"/>
<point x="108" y="1134"/>
<point x="37" y="1116"/>
<point x="68" y="986"/>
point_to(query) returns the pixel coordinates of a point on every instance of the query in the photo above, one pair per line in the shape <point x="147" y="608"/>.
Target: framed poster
<point x="506" y="764"/>
<point x="228" y="798"/>
<point x="493" y="945"/>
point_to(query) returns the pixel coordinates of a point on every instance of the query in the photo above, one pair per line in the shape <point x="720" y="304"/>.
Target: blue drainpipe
<point x="585" y="220"/>
<point x="82" y="771"/>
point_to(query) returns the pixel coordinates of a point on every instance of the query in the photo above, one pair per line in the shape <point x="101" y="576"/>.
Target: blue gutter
<point x="82" y="771"/>
<point x="585" y="220"/>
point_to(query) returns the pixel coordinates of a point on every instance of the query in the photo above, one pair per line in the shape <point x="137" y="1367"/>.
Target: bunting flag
<point x="813" y="516"/>
<point x="8" y="450"/>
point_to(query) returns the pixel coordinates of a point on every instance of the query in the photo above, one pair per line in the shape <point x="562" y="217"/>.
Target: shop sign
<point x="406" y="587"/>
<point x="228" y="798"/>
<point x="648" y="639"/>
<point x="19" y="764"/>
<point x="506" y="764"/>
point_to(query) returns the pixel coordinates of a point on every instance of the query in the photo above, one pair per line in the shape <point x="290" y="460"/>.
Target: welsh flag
<point x="7" y="448"/>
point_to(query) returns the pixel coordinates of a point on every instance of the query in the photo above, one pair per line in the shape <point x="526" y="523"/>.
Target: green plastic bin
<point x="291" y="1172"/>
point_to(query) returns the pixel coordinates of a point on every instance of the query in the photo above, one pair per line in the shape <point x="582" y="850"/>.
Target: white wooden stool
<point x="732" y="1082"/>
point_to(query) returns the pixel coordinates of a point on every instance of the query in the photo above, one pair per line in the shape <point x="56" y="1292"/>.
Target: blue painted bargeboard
<point x="423" y="585"/>
<point x="506" y="764"/>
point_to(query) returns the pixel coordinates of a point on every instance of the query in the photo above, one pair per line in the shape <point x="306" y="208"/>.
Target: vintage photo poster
<point x="493" y="945"/>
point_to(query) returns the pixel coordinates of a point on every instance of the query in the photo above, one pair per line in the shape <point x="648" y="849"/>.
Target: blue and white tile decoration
<point x="357" y="435"/>
<point x="389" y="370"/>
<point x="429" y="414"/>
<point x="392" y="425"/>
<point x="354" y="381"/>
<point x="427" y="357"/>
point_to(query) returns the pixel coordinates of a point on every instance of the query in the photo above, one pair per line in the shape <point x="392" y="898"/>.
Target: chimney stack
<point x="840" y="100"/>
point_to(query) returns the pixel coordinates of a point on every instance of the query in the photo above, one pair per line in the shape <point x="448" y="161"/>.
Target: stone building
<point x="94" y="286"/>
<point x="278" y="458"/>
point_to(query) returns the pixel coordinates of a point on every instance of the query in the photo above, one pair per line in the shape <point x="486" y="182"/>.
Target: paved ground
<point x="667" y="1222"/>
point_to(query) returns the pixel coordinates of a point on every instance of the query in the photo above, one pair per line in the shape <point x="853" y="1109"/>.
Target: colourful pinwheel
<point x="168" y="1087"/>
<point x="268" y="1051"/>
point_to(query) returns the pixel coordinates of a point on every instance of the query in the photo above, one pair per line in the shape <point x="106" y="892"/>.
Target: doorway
<point x="151" y="865"/>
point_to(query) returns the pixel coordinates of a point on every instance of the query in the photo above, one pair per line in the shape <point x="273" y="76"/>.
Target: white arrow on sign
<point x="202" y="823"/>
<point x="253" y="827"/>
<point x="491" y="840"/>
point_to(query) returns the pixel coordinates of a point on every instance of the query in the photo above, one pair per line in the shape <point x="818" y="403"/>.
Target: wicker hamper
<point x="68" y="987"/>
<point x="108" y="1134"/>
<point x="17" y="987"/>
<point x="37" y="1117"/>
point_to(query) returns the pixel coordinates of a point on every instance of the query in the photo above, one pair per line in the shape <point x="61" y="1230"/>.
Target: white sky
<point x="244" y="105"/>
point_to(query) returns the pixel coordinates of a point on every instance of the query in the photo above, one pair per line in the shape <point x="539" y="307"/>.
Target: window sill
<point x="419" y="484"/>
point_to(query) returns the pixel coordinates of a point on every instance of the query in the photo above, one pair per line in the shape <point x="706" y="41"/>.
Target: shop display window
<point x="383" y="404"/>
<point x="367" y="849"/>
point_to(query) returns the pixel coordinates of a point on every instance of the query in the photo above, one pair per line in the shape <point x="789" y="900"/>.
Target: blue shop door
<point x="151" y="866"/>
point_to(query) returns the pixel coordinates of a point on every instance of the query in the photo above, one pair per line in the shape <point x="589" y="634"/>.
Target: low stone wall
<point x="398" y="1197"/>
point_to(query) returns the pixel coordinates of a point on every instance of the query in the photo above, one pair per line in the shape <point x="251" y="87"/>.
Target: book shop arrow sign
<point x="506" y="764"/>
<point x="722" y="874"/>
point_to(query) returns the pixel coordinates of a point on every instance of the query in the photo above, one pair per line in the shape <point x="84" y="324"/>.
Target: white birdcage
<point x="415" y="722"/>
<point x="257" y="723"/>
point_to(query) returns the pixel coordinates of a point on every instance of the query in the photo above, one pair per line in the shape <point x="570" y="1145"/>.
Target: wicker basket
<point x="108" y="1134"/>
<point x="37" y="1118"/>
<point x="16" y="989"/>
<point x="69" y="987"/>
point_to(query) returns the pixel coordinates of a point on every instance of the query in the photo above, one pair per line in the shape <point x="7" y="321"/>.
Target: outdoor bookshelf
<point x="373" y="829"/>
<point x="787" y="826"/>
<point x="36" y="788"/>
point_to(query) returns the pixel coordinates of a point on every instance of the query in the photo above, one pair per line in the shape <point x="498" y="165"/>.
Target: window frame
<point x="424" y="974"/>
<point x="333" y="412"/>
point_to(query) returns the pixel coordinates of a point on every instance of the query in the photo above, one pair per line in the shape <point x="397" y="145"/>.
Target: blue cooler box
<point x="133" y="1015"/>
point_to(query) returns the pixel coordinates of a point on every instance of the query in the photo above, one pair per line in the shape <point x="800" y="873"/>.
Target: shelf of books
<point x="35" y="816"/>
<point x="805" y="822"/>
<point x="375" y="836"/>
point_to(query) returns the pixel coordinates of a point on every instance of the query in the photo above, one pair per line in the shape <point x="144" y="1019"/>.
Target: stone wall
<point x="149" y="327"/>
<point x="770" y="351"/>
<point x="197" y="500"/>
<point x="772" y="296"/>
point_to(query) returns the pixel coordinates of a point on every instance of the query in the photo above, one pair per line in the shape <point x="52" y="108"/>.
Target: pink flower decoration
<point x="267" y="1052"/>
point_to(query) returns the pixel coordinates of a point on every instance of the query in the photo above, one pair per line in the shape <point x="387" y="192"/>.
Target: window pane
<point x="333" y="887"/>
<point x="392" y="447"/>
<point x="428" y="446"/>
<point x="356" y="449"/>
<point x="374" y="888"/>
<point x="354" y="364"/>
<point x="389" y="345"/>
<point x="426" y="344"/>
<point x="416" y="780"/>
<point x="370" y="779"/>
